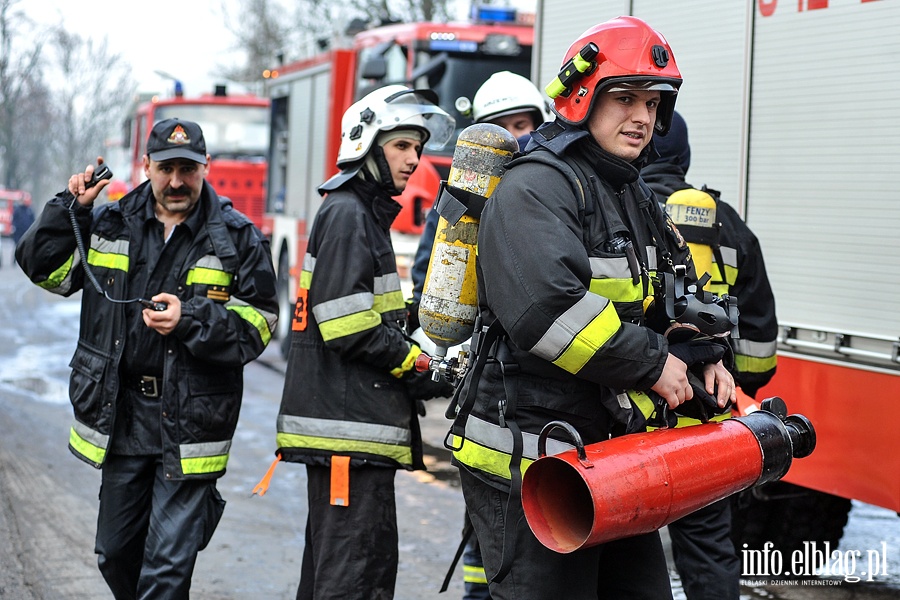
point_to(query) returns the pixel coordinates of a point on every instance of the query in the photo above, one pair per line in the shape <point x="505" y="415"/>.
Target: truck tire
<point x="787" y="516"/>
<point x="285" y="306"/>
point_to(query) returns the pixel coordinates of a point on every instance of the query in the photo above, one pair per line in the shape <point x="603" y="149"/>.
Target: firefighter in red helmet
<point x="569" y="247"/>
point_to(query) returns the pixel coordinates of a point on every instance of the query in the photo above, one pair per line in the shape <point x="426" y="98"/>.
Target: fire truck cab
<point x="235" y="128"/>
<point x="310" y="96"/>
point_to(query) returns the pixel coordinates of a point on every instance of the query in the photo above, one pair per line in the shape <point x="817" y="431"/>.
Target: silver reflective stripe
<point x="343" y="430"/>
<point x="270" y="318"/>
<point x="568" y="325"/>
<point x="500" y="439"/>
<point x="65" y="285"/>
<point x="109" y="246"/>
<point x="650" y="252"/>
<point x="210" y="262"/>
<point x="204" y="449"/>
<point x="90" y="435"/>
<point x="610" y="268"/>
<point x="757" y="349"/>
<point x="729" y="255"/>
<point x="341" y="307"/>
<point x="309" y="262"/>
<point x="387" y="283"/>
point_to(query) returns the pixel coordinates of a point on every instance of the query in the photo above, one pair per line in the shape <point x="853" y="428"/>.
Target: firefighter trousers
<point x="351" y="552"/>
<point x="704" y="553"/>
<point x="150" y="529"/>
<point x="629" y="569"/>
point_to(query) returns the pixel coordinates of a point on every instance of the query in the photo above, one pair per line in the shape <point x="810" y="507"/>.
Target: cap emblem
<point x="179" y="136"/>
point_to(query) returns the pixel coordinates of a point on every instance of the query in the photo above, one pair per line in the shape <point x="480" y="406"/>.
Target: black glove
<point x="696" y="354"/>
<point x="420" y="386"/>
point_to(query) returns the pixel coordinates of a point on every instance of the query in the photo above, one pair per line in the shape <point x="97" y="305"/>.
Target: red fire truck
<point x="8" y="200"/>
<point x="310" y="96"/>
<point x="236" y="129"/>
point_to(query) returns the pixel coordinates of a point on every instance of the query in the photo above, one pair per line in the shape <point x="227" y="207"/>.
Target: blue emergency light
<point x="493" y="14"/>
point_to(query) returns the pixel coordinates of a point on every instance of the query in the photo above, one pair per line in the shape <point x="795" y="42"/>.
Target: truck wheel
<point x="787" y="516"/>
<point x="285" y="306"/>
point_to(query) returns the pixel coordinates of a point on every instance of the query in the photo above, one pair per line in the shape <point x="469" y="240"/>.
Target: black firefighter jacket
<point x="342" y="394"/>
<point x="552" y="271"/>
<point x="228" y="309"/>
<point x="745" y="278"/>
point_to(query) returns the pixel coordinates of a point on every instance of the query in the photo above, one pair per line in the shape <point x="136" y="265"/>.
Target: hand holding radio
<point x="86" y="186"/>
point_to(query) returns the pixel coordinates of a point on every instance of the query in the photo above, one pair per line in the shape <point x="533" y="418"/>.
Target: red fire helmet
<point x="624" y="52"/>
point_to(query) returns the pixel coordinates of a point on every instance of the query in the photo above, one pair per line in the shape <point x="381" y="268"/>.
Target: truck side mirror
<point x="374" y="68"/>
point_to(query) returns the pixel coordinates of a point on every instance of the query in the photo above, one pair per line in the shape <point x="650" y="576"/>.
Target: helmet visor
<point x="414" y="108"/>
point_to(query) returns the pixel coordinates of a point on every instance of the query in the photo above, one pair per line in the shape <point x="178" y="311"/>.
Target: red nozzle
<point x="423" y="363"/>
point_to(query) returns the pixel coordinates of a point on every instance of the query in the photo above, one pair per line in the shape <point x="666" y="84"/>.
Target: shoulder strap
<point x="577" y="180"/>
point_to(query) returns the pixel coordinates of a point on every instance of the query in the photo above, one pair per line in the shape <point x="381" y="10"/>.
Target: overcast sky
<point x="184" y="38"/>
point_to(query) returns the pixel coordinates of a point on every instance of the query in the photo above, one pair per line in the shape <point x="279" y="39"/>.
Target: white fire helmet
<point x="388" y="108"/>
<point x="506" y="93"/>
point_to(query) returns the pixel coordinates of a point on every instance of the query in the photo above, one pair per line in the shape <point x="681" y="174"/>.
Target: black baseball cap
<point x="174" y="138"/>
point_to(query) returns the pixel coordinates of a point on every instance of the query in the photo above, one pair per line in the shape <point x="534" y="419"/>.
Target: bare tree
<point x="271" y="31"/>
<point x="262" y="30"/>
<point x="92" y="103"/>
<point x="23" y="106"/>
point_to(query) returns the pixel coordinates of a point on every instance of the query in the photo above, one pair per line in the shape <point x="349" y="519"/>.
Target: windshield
<point x="458" y="75"/>
<point x="450" y="74"/>
<point x="236" y="132"/>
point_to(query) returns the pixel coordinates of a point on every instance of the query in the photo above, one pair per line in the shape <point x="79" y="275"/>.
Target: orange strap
<point x="340" y="480"/>
<point x="263" y="486"/>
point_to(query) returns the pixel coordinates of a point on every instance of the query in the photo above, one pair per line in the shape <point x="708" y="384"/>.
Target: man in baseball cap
<point x="181" y="298"/>
<point x="174" y="138"/>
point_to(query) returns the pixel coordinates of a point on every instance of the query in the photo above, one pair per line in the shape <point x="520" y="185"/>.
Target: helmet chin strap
<point x="377" y="167"/>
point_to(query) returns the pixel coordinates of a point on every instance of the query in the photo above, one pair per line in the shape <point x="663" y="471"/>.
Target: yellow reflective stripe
<point x="473" y="574"/>
<point x="305" y="279"/>
<point x="89" y="450"/>
<point x="719" y="289"/>
<point x="408" y="362"/>
<point x="255" y="318"/>
<point x="731" y="274"/>
<point x="589" y="340"/>
<point x="643" y="402"/>
<point x="486" y="459"/>
<point x="204" y="464"/>
<point x="204" y="276"/>
<point x="389" y="301"/>
<point x="108" y="260"/>
<point x="401" y="454"/>
<point x="344" y="326"/>
<point x="617" y="290"/>
<point x="689" y="422"/>
<point x="753" y="364"/>
<point x="58" y="276"/>
<point x="204" y="457"/>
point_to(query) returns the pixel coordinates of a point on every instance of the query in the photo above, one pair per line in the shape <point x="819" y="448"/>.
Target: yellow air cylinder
<point x="449" y="301"/>
<point x="689" y="209"/>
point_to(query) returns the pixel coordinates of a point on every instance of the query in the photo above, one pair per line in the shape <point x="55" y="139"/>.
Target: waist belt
<point x="148" y="385"/>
